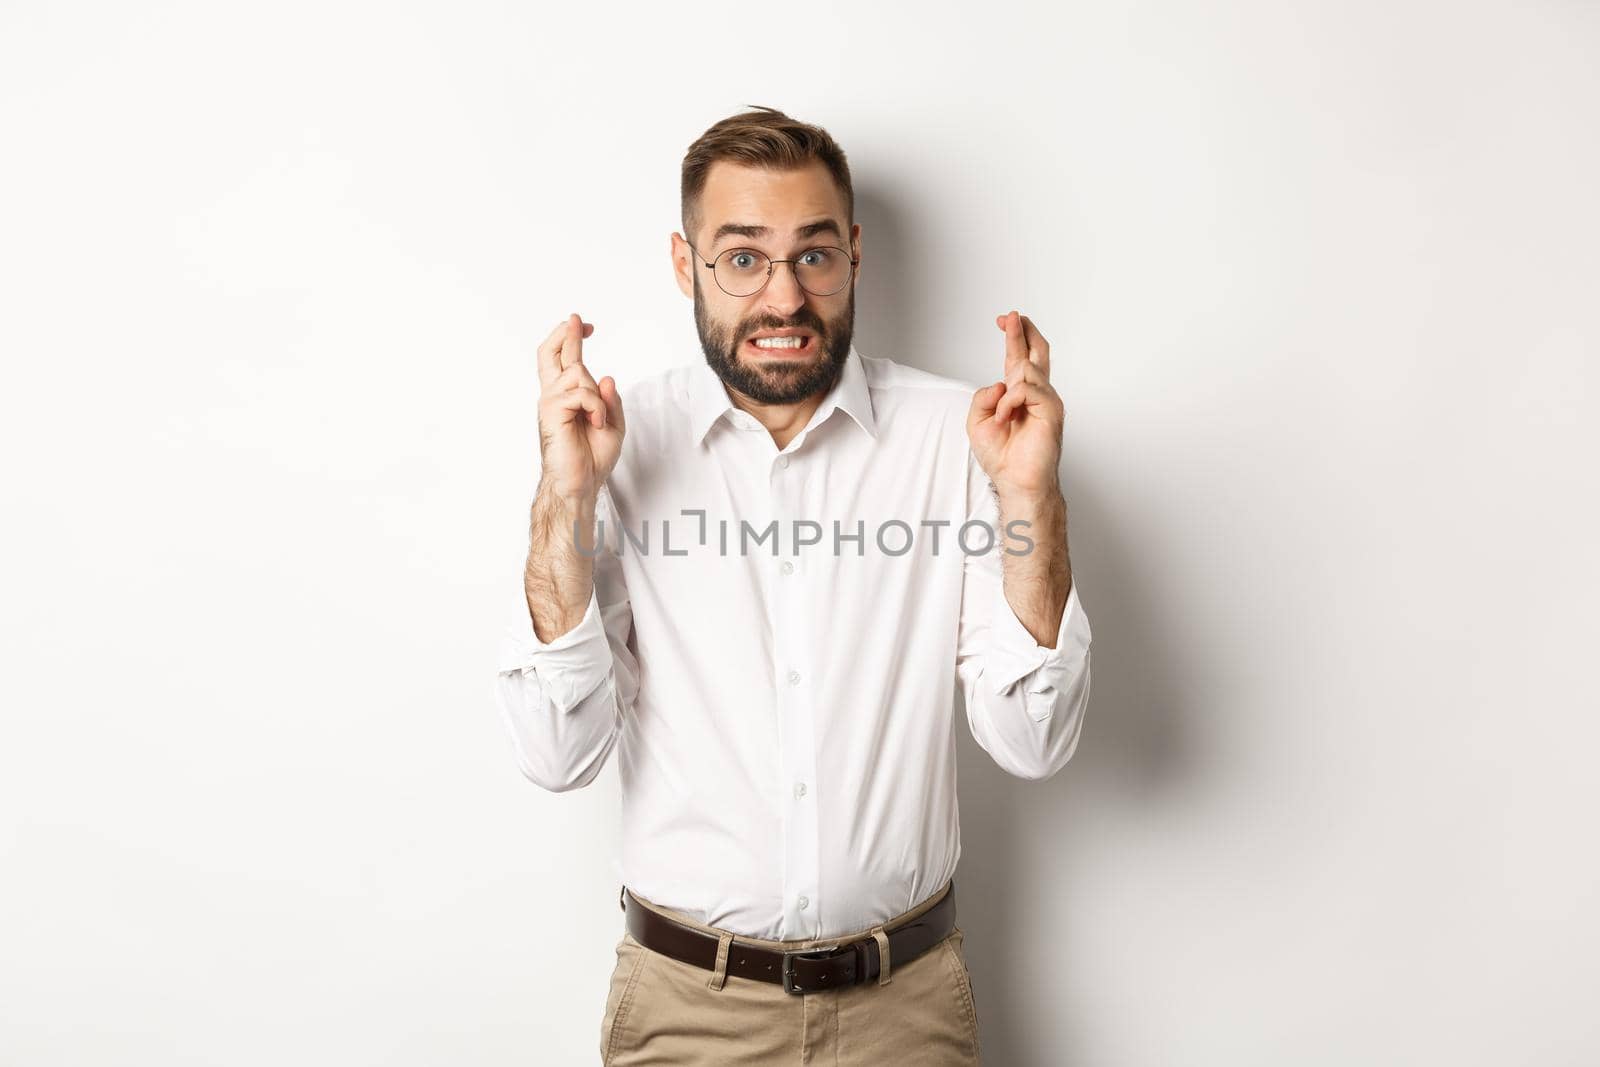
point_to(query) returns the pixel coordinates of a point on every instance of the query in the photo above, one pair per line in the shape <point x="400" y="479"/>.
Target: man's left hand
<point x="1015" y="424"/>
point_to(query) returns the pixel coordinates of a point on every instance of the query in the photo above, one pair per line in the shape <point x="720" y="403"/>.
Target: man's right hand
<point x="580" y="420"/>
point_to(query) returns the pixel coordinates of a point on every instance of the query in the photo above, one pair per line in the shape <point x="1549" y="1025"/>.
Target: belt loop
<point x="720" y="974"/>
<point x="883" y="954"/>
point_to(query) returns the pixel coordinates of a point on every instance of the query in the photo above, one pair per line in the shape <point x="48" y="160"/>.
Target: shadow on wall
<point x="889" y="320"/>
<point x="1018" y="838"/>
<point x="1136" y="748"/>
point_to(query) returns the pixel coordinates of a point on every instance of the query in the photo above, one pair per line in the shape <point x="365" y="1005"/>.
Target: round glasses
<point x="821" y="271"/>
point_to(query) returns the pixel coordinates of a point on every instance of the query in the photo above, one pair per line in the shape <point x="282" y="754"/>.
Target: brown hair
<point x="763" y="137"/>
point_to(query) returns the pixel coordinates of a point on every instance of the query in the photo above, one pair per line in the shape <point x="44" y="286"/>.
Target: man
<point x="764" y="602"/>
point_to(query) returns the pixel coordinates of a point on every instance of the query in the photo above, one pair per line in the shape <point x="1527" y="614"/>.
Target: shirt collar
<point x="708" y="399"/>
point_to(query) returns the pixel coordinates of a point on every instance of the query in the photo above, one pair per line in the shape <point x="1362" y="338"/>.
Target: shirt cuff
<point x="571" y="666"/>
<point x="1017" y="656"/>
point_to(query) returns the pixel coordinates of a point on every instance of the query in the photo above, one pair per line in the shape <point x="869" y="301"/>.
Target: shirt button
<point x="783" y="461"/>
<point x="786" y="567"/>
<point x="799" y="789"/>
<point x="804" y="902"/>
<point x="794" y="677"/>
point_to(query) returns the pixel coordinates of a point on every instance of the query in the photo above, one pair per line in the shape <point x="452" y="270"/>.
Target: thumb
<point x="984" y="401"/>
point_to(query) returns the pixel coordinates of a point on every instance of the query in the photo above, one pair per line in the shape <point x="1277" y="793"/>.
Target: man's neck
<point x="782" y="421"/>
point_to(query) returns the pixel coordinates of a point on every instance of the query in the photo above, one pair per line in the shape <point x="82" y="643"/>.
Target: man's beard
<point x="778" y="381"/>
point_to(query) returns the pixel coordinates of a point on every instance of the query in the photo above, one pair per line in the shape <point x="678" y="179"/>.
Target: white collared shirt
<point x="782" y="712"/>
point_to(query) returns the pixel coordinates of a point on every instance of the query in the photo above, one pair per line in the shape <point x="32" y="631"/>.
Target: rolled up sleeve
<point x="563" y="701"/>
<point x="568" y="668"/>
<point x="1025" y="702"/>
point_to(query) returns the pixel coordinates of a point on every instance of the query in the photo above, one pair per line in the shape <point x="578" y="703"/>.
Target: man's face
<point x="783" y="202"/>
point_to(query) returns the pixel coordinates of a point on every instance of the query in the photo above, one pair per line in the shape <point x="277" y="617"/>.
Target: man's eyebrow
<point x="810" y="229"/>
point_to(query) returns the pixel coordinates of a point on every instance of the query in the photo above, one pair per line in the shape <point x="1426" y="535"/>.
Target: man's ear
<point x="683" y="265"/>
<point x="855" y="246"/>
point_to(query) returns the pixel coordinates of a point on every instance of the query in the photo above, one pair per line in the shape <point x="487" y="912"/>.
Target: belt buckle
<point x="810" y="954"/>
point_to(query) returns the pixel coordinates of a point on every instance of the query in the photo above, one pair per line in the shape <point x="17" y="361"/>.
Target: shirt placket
<point x="797" y="686"/>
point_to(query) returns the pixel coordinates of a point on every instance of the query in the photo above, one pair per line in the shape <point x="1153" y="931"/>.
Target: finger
<point x="1038" y="347"/>
<point x="582" y="399"/>
<point x="1025" y="398"/>
<point x="549" y="356"/>
<point x="549" y="359"/>
<point x="1008" y="403"/>
<point x="613" y="399"/>
<point x="576" y="375"/>
<point x="1016" y="343"/>
<point x="1040" y="399"/>
<point x="572" y="343"/>
<point x="1026" y="371"/>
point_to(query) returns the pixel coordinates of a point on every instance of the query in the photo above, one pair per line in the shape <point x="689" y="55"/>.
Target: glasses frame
<point x="772" y="264"/>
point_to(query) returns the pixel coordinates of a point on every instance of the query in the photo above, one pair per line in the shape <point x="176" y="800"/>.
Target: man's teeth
<point x="780" y="342"/>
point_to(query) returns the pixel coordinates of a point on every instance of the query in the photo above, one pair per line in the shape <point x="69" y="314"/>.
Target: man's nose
<point x="783" y="293"/>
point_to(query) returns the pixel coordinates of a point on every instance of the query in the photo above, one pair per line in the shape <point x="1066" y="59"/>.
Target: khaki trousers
<point x="661" y="1011"/>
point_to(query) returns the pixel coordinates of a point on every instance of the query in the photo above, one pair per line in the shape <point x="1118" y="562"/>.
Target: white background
<point x="1320" y="283"/>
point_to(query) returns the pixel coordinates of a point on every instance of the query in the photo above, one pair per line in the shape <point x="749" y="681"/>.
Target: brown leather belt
<point x="808" y="971"/>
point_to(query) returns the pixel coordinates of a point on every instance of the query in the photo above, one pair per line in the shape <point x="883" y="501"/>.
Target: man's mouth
<point x="781" y="344"/>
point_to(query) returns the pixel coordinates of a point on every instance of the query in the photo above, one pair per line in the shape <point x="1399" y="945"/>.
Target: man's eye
<point x="742" y="260"/>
